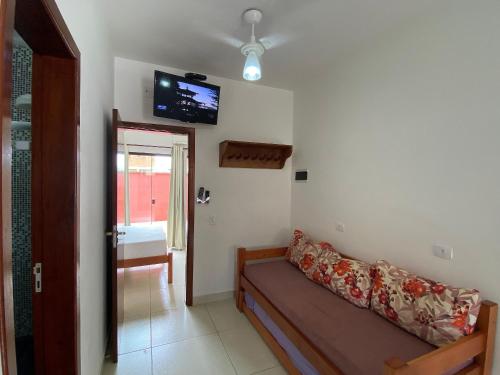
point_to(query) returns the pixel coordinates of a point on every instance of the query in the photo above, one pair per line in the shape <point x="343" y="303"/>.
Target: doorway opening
<point x="151" y="227"/>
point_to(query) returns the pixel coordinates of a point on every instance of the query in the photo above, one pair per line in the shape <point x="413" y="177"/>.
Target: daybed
<point x="314" y="331"/>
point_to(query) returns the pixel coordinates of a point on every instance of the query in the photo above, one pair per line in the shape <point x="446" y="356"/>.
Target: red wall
<point x="143" y="188"/>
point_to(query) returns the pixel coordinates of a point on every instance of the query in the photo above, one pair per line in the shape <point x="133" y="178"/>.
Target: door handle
<point x="114" y="235"/>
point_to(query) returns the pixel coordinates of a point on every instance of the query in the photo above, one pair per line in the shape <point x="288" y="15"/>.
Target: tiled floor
<point x="161" y="336"/>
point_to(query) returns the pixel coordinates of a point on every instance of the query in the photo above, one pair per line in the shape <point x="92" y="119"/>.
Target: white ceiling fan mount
<point x="254" y="49"/>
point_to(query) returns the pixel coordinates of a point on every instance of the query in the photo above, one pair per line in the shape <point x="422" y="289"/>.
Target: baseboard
<point x="147" y="261"/>
<point x="207" y="298"/>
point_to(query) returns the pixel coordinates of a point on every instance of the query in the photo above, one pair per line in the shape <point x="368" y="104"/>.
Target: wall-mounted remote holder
<point x="203" y="196"/>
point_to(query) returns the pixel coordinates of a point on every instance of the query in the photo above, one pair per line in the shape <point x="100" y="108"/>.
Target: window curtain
<point x="176" y="224"/>
<point x="126" y="184"/>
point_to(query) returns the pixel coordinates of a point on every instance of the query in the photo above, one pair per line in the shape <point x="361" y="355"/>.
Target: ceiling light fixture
<point x="254" y="49"/>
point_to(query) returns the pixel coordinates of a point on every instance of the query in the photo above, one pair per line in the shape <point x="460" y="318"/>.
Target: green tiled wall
<point x="21" y="197"/>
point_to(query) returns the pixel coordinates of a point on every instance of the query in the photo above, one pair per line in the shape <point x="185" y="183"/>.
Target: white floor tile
<point x="137" y="303"/>
<point x="179" y="324"/>
<point x="130" y="364"/>
<point x="248" y="352"/>
<point x="202" y="355"/>
<point x="273" y="371"/>
<point x="226" y="316"/>
<point x="158" y="277"/>
<point x="137" y="278"/>
<point x="134" y="335"/>
<point x="169" y="298"/>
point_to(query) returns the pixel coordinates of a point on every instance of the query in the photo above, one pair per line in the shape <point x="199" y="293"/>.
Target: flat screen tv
<point x="185" y="100"/>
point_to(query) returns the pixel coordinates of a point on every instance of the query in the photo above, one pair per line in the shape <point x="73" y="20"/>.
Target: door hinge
<point x="37" y="272"/>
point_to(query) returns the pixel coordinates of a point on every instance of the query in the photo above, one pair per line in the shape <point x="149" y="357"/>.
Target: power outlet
<point x="442" y="251"/>
<point x="340" y="227"/>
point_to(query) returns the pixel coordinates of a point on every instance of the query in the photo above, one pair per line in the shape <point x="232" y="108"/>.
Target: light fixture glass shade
<point x="251" y="71"/>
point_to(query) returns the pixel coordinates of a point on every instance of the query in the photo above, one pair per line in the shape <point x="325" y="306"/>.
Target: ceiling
<point x="203" y="35"/>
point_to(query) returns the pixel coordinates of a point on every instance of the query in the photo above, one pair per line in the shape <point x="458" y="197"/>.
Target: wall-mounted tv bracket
<point x="196" y="76"/>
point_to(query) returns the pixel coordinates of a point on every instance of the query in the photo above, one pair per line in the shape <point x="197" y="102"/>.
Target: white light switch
<point x="211" y="220"/>
<point x="340" y="227"/>
<point x="442" y="251"/>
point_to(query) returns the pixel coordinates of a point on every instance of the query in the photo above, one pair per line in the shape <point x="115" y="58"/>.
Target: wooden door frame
<point x="7" y="333"/>
<point x="42" y="26"/>
<point x="190" y="132"/>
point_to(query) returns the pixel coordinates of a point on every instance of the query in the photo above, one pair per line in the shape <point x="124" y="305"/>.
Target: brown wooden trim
<point x="479" y="345"/>
<point x="116" y="248"/>
<point x="238" y="154"/>
<point x="48" y="35"/>
<point x="55" y="205"/>
<point x="265" y="253"/>
<point x="440" y="360"/>
<point x="54" y="160"/>
<point x="271" y="341"/>
<point x="240" y="266"/>
<point x="146" y="261"/>
<point x="191" y="133"/>
<point x="7" y="332"/>
<point x="473" y="369"/>
<point x="170" y="268"/>
<point x="487" y="323"/>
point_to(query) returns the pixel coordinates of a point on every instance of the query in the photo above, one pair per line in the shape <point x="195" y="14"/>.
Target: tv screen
<point x="186" y="100"/>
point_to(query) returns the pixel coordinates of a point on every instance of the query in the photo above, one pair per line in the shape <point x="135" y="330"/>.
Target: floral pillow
<point x="435" y="312"/>
<point x="297" y="246"/>
<point x="310" y="256"/>
<point x="348" y="278"/>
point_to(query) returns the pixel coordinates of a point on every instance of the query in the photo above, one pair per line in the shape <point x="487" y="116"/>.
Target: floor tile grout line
<point x="221" y="341"/>
<point x="227" y="354"/>
<point x="173" y="342"/>
<point x="266" y="369"/>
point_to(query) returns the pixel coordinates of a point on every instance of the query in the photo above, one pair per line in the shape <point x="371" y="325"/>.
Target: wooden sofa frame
<point x="479" y="345"/>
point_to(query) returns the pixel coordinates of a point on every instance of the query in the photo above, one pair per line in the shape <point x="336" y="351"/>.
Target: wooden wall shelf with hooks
<point x="236" y="154"/>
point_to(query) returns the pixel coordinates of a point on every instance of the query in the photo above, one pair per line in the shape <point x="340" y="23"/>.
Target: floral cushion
<point x="435" y="312"/>
<point x="348" y="278"/>
<point x="297" y="246"/>
<point x="310" y="256"/>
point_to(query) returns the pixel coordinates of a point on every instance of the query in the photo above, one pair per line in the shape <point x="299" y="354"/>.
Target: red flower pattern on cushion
<point x="348" y="278"/>
<point x="308" y="262"/>
<point x="297" y="246"/>
<point x="305" y="254"/>
<point x="437" y="313"/>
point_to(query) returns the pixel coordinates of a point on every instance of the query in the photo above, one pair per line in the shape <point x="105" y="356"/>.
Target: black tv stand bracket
<point x="196" y="76"/>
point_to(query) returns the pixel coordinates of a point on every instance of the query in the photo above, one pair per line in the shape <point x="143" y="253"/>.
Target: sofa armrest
<point x="245" y="255"/>
<point x="479" y="345"/>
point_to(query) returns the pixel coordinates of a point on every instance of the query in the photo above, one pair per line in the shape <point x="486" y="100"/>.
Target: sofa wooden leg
<point x="239" y="301"/>
<point x="170" y="268"/>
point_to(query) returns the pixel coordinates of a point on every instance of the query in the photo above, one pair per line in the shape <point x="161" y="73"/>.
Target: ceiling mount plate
<point x="252" y="16"/>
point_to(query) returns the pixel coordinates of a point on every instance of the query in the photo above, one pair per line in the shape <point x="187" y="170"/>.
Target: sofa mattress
<point x="299" y="361"/>
<point x="355" y="339"/>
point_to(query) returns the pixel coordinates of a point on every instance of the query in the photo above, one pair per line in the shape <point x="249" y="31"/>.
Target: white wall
<point x="402" y="142"/>
<point x="251" y="206"/>
<point x="87" y="26"/>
